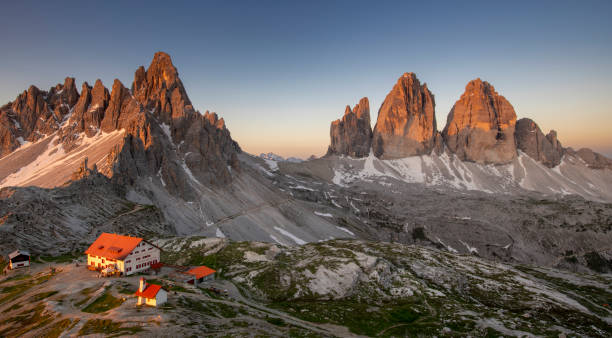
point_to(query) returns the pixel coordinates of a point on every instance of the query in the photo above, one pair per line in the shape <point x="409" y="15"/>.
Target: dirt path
<point x="255" y="208"/>
<point x="325" y="329"/>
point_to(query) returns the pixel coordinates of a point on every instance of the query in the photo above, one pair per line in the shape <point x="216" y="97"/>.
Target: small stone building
<point x="19" y="259"/>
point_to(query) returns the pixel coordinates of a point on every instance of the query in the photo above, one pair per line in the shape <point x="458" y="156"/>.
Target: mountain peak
<point x="406" y="124"/>
<point x="481" y="87"/>
<point x="160" y="90"/>
<point x="480" y="126"/>
<point x="352" y="135"/>
<point x="161" y="68"/>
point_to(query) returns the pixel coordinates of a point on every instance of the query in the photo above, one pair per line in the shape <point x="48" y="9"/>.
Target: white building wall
<point x="141" y="258"/>
<point x="16" y="265"/>
<point x="138" y="260"/>
<point x="161" y="297"/>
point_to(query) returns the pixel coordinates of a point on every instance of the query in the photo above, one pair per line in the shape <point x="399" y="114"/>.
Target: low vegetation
<point x="57" y="328"/>
<point x="21" y="284"/>
<point x="40" y="296"/>
<point x="26" y="321"/>
<point x="103" y="303"/>
<point x="63" y="258"/>
<point x="107" y="327"/>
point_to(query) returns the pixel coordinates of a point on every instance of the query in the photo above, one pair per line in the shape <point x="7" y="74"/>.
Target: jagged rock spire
<point x="160" y="90"/>
<point x="406" y="123"/>
<point x="531" y="140"/>
<point x="352" y="135"/>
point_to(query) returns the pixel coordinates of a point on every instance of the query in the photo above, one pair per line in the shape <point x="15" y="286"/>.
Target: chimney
<point x="142" y="284"/>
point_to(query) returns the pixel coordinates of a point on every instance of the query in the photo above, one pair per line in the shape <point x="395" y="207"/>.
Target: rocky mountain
<point x="147" y="148"/>
<point x="34" y="114"/>
<point x="480" y="126"/>
<point x="406" y="123"/>
<point x="352" y="135"/>
<point x="151" y="131"/>
<point x="592" y="159"/>
<point x="530" y="140"/>
<point x="154" y="149"/>
<point x="278" y="158"/>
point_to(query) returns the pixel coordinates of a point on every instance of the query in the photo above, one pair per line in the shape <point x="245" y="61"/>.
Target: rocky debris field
<point x="333" y="288"/>
<point x="559" y="231"/>
<point x="68" y="219"/>
<point x="391" y="289"/>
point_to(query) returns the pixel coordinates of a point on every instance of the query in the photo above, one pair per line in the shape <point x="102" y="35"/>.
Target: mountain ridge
<point x="481" y="127"/>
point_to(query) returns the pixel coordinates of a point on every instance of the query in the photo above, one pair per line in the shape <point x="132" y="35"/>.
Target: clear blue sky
<point x="279" y="72"/>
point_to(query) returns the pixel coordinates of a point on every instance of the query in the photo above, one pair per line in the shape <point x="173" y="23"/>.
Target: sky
<point x="279" y="72"/>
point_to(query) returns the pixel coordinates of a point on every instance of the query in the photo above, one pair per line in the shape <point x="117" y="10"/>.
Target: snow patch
<point x="471" y="249"/>
<point x="290" y="235"/>
<point x="346" y="230"/>
<point x="189" y="173"/>
<point x="166" y="129"/>
<point x="273" y="165"/>
<point x="219" y="233"/>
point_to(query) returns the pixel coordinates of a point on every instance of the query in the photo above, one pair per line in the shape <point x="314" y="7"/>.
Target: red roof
<point x="150" y="291"/>
<point x="201" y="271"/>
<point x="113" y="246"/>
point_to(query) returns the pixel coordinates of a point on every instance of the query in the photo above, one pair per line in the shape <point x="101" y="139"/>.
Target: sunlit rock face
<point x="153" y="128"/>
<point x="34" y="114"/>
<point x="352" y="134"/>
<point x="532" y="141"/>
<point x="480" y="126"/>
<point x="406" y="123"/>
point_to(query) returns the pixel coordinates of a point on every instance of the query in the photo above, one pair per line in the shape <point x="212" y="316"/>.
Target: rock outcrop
<point x="480" y="126"/>
<point x="89" y="109"/>
<point x="352" y="135"/>
<point x="406" y="124"/>
<point x="592" y="159"/>
<point x="34" y="114"/>
<point x="531" y="140"/>
<point x="203" y="142"/>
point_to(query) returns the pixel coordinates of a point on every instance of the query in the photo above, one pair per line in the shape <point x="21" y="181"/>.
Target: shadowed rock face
<point x="530" y="140"/>
<point x="480" y="126"/>
<point x="352" y="135"/>
<point x="406" y="124"/>
<point x="203" y="140"/>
